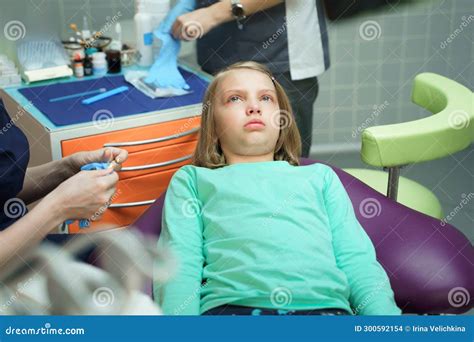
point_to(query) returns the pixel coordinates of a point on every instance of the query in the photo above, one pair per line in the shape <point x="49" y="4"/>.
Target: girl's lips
<point x="254" y="122"/>
<point x="255" y="125"/>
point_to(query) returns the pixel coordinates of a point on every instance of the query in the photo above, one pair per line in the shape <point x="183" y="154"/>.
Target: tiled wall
<point x="370" y="79"/>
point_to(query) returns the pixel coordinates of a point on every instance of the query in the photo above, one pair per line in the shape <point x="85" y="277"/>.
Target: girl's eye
<point x="267" y="98"/>
<point x="233" y="98"/>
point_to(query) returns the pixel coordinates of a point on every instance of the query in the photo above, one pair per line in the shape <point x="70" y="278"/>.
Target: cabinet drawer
<point x="157" y="159"/>
<point x="132" y="198"/>
<point x="137" y="138"/>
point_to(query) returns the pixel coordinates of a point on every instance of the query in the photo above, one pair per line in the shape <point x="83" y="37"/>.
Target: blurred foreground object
<point x="49" y="281"/>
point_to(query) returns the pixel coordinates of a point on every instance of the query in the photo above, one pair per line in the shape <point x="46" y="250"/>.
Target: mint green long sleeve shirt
<point x="269" y="235"/>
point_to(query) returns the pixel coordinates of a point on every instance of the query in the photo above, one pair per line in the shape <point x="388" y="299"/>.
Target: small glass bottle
<point x="113" y="61"/>
<point x="88" y="70"/>
<point x="78" y="68"/>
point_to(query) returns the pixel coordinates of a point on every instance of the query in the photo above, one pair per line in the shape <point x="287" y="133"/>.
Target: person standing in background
<point x="289" y="38"/>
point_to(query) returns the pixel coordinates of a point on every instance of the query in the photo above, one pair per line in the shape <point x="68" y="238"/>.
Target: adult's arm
<point x="41" y="180"/>
<point x="213" y="16"/>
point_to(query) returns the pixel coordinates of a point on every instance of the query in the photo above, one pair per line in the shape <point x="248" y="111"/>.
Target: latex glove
<point x="181" y="7"/>
<point x="164" y="72"/>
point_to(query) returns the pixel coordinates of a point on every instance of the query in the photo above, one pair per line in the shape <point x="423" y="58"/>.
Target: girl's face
<point x="246" y="113"/>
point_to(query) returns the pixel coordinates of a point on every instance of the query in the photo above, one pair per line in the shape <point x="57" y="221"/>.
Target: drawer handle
<point x="152" y="166"/>
<point x="151" y="141"/>
<point x="131" y="204"/>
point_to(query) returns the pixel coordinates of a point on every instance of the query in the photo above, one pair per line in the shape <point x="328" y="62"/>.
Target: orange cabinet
<point x="132" y="198"/>
<point x="153" y="160"/>
<point x="156" y="152"/>
<point x="138" y="138"/>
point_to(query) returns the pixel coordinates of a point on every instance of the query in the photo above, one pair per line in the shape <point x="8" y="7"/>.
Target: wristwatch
<point x="238" y="13"/>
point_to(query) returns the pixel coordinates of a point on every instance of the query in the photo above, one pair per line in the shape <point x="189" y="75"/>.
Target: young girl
<point x="255" y="232"/>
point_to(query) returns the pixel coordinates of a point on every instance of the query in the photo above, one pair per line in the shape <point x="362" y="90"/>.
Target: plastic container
<point x="99" y="64"/>
<point x="8" y="73"/>
<point x="116" y="43"/>
<point x="157" y="9"/>
<point x="144" y="38"/>
<point x="149" y="14"/>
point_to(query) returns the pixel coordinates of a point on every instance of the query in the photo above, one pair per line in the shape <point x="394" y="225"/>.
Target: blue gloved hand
<point x="164" y="72"/>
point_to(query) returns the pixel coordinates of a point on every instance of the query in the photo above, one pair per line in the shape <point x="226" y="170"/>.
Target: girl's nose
<point x="253" y="109"/>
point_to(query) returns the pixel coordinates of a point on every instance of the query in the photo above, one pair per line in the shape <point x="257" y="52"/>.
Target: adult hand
<point x="83" y="195"/>
<point x="113" y="155"/>
<point x="195" y="24"/>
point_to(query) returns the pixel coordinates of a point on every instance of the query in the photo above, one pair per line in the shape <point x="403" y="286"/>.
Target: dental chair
<point x="393" y="147"/>
<point x="429" y="262"/>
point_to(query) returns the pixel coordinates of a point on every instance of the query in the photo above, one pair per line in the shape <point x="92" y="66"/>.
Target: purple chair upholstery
<point x="430" y="264"/>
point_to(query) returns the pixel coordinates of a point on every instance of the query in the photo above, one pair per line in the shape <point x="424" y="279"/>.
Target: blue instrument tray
<point x="72" y="111"/>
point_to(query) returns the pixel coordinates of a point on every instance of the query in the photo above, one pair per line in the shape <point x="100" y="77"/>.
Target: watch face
<point x="238" y="10"/>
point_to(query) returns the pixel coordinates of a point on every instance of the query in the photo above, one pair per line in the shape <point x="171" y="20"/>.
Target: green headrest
<point x="450" y="129"/>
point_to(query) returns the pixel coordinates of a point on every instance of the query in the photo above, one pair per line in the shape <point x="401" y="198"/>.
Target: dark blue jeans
<point x="238" y="310"/>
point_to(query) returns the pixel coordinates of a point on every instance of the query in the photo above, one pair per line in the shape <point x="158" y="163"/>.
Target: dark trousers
<point x="238" y="310"/>
<point x="302" y="94"/>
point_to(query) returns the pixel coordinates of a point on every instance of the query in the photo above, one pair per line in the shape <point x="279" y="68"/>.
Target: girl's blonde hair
<point x="208" y="151"/>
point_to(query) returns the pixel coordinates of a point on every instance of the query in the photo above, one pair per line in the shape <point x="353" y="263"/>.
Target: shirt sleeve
<point x="370" y="291"/>
<point x="182" y="233"/>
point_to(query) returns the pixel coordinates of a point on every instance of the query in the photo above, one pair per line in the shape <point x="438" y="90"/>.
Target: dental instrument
<point x="105" y="95"/>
